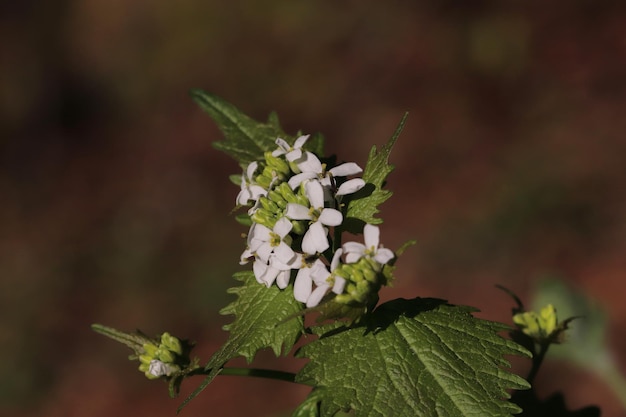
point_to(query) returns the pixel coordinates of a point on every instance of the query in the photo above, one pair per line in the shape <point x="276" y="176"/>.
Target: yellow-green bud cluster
<point x="364" y="279"/>
<point x="168" y="352"/>
<point x="274" y="169"/>
<point x="541" y="327"/>
<point x="272" y="207"/>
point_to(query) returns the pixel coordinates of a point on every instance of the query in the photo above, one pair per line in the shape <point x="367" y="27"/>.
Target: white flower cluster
<point x="295" y="200"/>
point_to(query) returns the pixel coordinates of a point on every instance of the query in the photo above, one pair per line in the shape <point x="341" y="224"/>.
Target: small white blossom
<point x="275" y="270"/>
<point x="315" y="239"/>
<point x="158" y="368"/>
<point x="292" y="154"/>
<point x="250" y="190"/>
<point x="312" y="168"/>
<point x="303" y="285"/>
<point x="322" y="278"/>
<point x="263" y="242"/>
<point x="355" y="251"/>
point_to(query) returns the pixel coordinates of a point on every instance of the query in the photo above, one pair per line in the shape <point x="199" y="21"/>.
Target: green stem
<point x="252" y="372"/>
<point x="260" y="373"/>
<point x="537" y="361"/>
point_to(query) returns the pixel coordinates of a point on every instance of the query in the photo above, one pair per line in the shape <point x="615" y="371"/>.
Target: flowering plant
<point x="405" y="357"/>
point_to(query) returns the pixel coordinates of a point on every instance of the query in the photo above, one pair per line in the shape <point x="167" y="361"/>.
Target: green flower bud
<point x="270" y="204"/>
<point x="265" y="179"/>
<point x="150" y="349"/>
<point x="541" y="327"/>
<point x="171" y="343"/>
<point x="356" y="276"/>
<point x="264" y="217"/>
<point x="371" y="275"/>
<point x="280" y="165"/>
<point x="278" y="200"/>
<point x="299" y="227"/>
<point x="166" y="356"/>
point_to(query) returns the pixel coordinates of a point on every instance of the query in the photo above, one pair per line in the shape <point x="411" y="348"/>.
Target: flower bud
<point x="171" y="343"/>
<point x="277" y="164"/>
<point x="542" y="327"/>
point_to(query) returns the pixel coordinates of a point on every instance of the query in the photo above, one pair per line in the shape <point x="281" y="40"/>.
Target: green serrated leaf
<point x="419" y="357"/>
<point x="245" y="139"/>
<point x="364" y="204"/>
<point x="264" y="317"/>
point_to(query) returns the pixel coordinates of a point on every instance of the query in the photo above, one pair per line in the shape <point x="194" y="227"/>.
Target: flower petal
<point x="330" y="217"/>
<point x="283" y="147"/>
<point x="251" y="169"/>
<point x="355" y="247"/>
<point x="371" y="235"/>
<point x="310" y="163"/>
<point x="303" y="285"/>
<point x="297" y="212"/>
<point x="353" y="251"/>
<point x="284" y="253"/>
<point x="315" y="193"/>
<point x="336" y="259"/>
<point x="260" y="232"/>
<point x="282" y="280"/>
<point x="315" y="239"/>
<point x="316" y="296"/>
<point x="269" y="276"/>
<point x="351" y="186"/>
<point x="299" y="143"/>
<point x="340" y="284"/>
<point x="282" y="227"/>
<point x="320" y="274"/>
<point x="384" y="255"/>
<point x="298" y="179"/>
<point x="245" y="257"/>
<point x="353" y="257"/>
<point x="264" y="251"/>
<point x="256" y="191"/>
<point x="343" y="170"/>
<point x="259" y="268"/>
<point x="294" y="155"/>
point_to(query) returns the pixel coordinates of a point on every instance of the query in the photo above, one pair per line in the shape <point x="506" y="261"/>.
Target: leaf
<point x="245" y="139"/>
<point x="419" y="357"/>
<point x="264" y="317"/>
<point x="363" y="205"/>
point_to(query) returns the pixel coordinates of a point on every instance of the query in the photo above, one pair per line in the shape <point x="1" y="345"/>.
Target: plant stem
<point x="537" y="361"/>
<point x="260" y="373"/>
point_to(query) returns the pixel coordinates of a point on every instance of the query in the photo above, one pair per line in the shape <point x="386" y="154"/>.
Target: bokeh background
<point x="114" y="207"/>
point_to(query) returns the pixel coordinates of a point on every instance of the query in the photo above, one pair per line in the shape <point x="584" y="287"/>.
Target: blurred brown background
<point x="115" y="208"/>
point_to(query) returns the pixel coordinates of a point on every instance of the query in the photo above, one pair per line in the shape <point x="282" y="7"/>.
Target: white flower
<point x="291" y="153"/>
<point x="315" y="239"/>
<point x="303" y="286"/>
<point x="250" y="190"/>
<point x="158" y="368"/>
<point x="312" y="168"/>
<point x="264" y="243"/>
<point x="275" y="270"/>
<point x="317" y="273"/>
<point x="355" y="251"/>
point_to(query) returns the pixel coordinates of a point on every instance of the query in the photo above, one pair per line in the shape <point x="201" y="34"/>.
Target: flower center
<point x="275" y="239"/>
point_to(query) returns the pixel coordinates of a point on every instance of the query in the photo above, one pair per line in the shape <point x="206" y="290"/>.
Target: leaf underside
<point x="419" y="357"/>
<point x="264" y="318"/>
